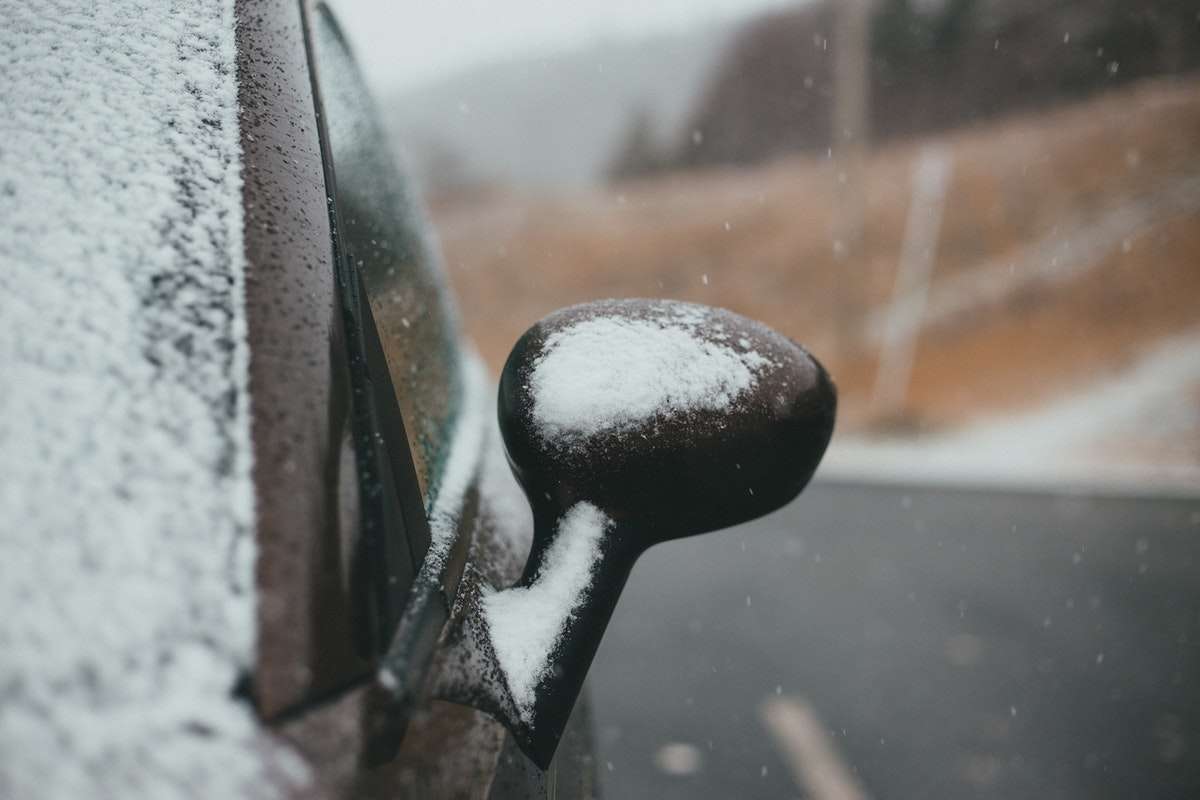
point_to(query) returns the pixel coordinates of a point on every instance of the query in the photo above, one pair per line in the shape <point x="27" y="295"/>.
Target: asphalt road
<point x="950" y="643"/>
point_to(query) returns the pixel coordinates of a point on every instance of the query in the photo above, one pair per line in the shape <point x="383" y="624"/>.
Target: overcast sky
<point x="403" y="43"/>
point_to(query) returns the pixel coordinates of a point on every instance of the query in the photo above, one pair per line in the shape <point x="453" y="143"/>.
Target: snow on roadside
<point x="1059" y="445"/>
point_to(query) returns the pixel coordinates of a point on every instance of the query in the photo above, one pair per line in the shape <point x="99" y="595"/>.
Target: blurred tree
<point x="442" y="169"/>
<point x="639" y="152"/>
<point x="934" y="65"/>
<point x="772" y="93"/>
<point x="953" y="24"/>
<point x="897" y="31"/>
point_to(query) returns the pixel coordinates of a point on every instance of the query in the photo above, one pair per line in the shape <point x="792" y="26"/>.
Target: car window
<point x="383" y="231"/>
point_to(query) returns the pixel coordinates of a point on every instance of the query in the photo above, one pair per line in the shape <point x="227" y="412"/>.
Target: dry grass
<point x="759" y="241"/>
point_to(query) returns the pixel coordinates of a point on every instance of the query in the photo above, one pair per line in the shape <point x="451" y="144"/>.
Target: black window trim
<point x="402" y="620"/>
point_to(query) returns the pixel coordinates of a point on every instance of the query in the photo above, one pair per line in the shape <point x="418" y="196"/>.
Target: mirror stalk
<point x="567" y="664"/>
<point x="472" y="672"/>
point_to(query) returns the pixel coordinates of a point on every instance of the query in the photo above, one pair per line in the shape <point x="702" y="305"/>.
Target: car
<point x="261" y="517"/>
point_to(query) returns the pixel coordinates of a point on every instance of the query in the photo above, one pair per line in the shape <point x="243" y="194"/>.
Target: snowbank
<point x="1073" y="444"/>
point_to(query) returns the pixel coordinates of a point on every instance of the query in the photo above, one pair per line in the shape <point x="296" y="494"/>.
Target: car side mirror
<point x="628" y="423"/>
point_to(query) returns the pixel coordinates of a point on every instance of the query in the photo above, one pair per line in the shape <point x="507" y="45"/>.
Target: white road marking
<point x="808" y="751"/>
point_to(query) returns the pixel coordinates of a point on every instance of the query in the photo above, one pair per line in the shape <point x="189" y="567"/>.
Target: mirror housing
<point x="628" y="423"/>
<point x="696" y="452"/>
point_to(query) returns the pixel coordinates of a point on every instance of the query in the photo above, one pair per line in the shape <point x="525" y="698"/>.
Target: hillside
<point x="550" y="121"/>
<point x="931" y="66"/>
<point x="748" y="90"/>
<point x="1068" y="251"/>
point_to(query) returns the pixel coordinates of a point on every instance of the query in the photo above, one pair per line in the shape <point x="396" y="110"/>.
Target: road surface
<point x="929" y="643"/>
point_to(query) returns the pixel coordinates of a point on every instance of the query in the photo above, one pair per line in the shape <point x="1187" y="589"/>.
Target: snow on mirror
<point x="627" y="423"/>
<point x="672" y="418"/>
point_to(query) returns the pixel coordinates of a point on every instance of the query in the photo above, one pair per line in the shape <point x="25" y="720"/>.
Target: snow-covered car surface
<point x="127" y="551"/>
<point x="174" y="406"/>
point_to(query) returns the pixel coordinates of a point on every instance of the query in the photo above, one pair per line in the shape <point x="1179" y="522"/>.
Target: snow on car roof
<point x="127" y="549"/>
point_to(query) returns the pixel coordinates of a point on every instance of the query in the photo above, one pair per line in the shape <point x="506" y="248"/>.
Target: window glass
<point x="384" y="231"/>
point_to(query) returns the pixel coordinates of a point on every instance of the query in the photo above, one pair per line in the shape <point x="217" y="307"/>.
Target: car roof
<point x="125" y="437"/>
